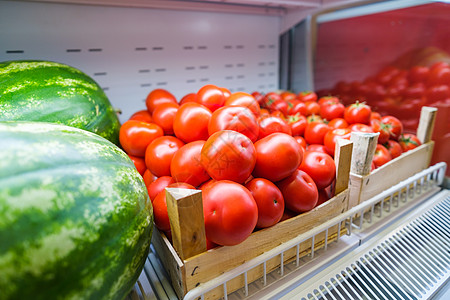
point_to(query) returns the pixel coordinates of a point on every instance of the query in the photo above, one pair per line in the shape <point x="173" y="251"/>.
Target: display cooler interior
<point x="392" y="240"/>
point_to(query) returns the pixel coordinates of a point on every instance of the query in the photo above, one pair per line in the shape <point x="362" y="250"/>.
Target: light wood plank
<point x="342" y="158"/>
<point x="426" y="124"/>
<point x="364" y="145"/>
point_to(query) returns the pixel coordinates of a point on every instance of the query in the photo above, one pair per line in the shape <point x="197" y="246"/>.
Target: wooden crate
<point x="189" y="264"/>
<point x="365" y="184"/>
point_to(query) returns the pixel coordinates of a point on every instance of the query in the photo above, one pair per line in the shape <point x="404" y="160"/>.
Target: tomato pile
<point x="258" y="158"/>
<point x="400" y="92"/>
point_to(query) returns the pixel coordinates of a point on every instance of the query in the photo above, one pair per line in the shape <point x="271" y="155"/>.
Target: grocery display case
<point x="133" y="47"/>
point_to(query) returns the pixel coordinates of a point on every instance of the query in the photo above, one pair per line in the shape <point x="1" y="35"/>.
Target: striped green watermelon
<point x="47" y="91"/>
<point x="75" y="216"/>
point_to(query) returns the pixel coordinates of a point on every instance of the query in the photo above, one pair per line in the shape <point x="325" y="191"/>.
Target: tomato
<point x="436" y="93"/>
<point x="211" y="96"/>
<point x="191" y="97"/>
<point x="394" y="126"/>
<point x="438" y="76"/>
<point x="186" y="166"/>
<point x="163" y="115"/>
<point x="135" y="136"/>
<point x="307" y="96"/>
<point x="226" y="92"/>
<point x="297" y="123"/>
<point x="158" y="97"/>
<point x="314" y="118"/>
<point x="230" y="212"/>
<point x="245" y="100"/>
<point x="237" y="118"/>
<point x="269" y="200"/>
<point x="358" y="127"/>
<point x="288" y="96"/>
<point x="297" y="107"/>
<point x="315" y="132"/>
<point x="258" y="97"/>
<point x="415" y="90"/>
<point x="312" y="108"/>
<point x="380" y="127"/>
<point x="320" y="166"/>
<point x="301" y="141"/>
<point x="161" y="216"/>
<point x="328" y="99"/>
<point x="331" y="136"/>
<point x="324" y="196"/>
<point x="386" y="74"/>
<point x="272" y="124"/>
<point x="191" y="122"/>
<point x="418" y="74"/>
<point x="148" y="176"/>
<point x="277" y="156"/>
<point x="338" y="123"/>
<point x="142" y="115"/>
<point x="299" y="192"/>
<point x="139" y="163"/>
<point x="228" y="155"/>
<point x="317" y="148"/>
<point x="408" y="141"/>
<point x="281" y="107"/>
<point x="375" y="115"/>
<point x="159" y="153"/>
<point x="394" y="148"/>
<point x="331" y="110"/>
<point x="357" y="113"/>
<point x="381" y="156"/>
<point x="158" y="185"/>
<point x="269" y="99"/>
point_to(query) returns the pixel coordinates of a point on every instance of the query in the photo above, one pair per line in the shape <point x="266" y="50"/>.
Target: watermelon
<point x="48" y="91"/>
<point x="75" y="216"/>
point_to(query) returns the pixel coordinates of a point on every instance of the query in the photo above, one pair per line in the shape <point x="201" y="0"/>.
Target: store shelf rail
<point x="366" y="217"/>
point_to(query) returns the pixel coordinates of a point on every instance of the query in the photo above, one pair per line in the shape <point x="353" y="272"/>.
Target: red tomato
<point x="186" y="166"/>
<point x="358" y="127"/>
<point x="161" y="216"/>
<point x="408" y="141"/>
<point x="135" y="136"/>
<point x="331" y="136"/>
<point x="230" y="212"/>
<point x="191" y="97"/>
<point x="324" y="196"/>
<point x="211" y="96"/>
<point x="299" y="192"/>
<point x="139" y="163"/>
<point x="338" y="123"/>
<point x="228" y="155"/>
<point x="380" y="127"/>
<point x="416" y="90"/>
<point x="394" y="148"/>
<point x="436" y="93"/>
<point x="394" y="126"/>
<point x="298" y="124"/>
<point x="142" y="115"/>
<point x="312" y="108"/>
<point x="191" y="122"/>
<point x="418" y="74"/>
<point x="269" y="200"/>
<point x="281" y="107"/>
<point x="148" y="176"/>
<point x="272" y="124"/>
<point x="331" y="110"/>
<point x="158" y="185"/>
<point x="159" y="153"/>
<point x="288" y="96"/>
<point x="277" y="156"/>
<point x="269" y="99"/>
<point x="226" y="92"/>
<point x="163" y="115"/>
<point x="245" y="100"/>
<point x="297" y="107"/>
<point x="314" y="118"/>
<point x="301" y="141"/>
<point x="307" y="96"/>
<point x="157" y="97"/>
<point x="258" y="97"/>
<point x="237" y="118"/>
<point x="357" y="113"/>
<point x="381" y="156"/>
<point x="375" y="115"/>
<point x="328" y="99"/>
<point x="315" y="132"/>
<point x="438" y="76"/>
<point x="316" y="148"/>
<point x="320" y="166"/>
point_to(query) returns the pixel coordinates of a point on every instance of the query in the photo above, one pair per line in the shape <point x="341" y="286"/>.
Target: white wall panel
<point x="130" y="51"/>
